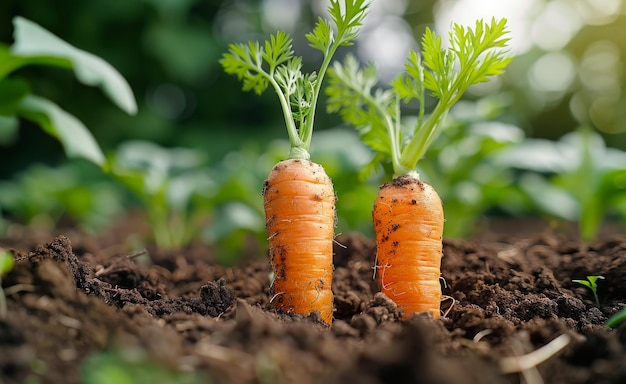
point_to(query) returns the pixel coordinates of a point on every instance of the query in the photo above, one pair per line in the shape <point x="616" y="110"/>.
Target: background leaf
<point x="75" y="137"/>
<point x="34" y="42"/>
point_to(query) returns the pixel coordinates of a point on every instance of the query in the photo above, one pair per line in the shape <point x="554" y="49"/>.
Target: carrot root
<point x="300" y="219"/>
<point x="408" y="221"/>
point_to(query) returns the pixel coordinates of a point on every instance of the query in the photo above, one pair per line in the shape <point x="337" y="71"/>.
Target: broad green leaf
<point x="73" y="135"/>
<point x="34" y="42"/>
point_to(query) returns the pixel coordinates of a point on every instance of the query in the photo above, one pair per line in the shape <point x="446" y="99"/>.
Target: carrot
<point x="298" y="195"/>
<point x="408" y="213"/>
<point x="300" y="211"/>
<point x="408" y="221"/>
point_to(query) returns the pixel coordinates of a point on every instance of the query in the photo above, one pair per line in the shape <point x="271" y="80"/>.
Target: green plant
<point x="577" y="178"/>
<point x="274" y="64"/>
<point x="408" y="215"/>
<point x="41" y="196"/>
<point x="592" y="284"/>
<point x="463" y="164"/>
<point x="6" y="265"/>
<point x="34" y="45"/>
<point x="237" y="215"/>
<point x="444" y="73"/>
<point x="299" y="199"/>
<point x="616" y="319"/>
<point x="172" y="186"/>
<point x="131" y="365"/>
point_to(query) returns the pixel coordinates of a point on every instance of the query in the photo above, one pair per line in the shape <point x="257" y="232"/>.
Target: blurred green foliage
<point x="6" y="265"/>
<point x="131" y="366"/>
<point x="463" y="165"/>
<point x="78" y="192"/>
<point x="576" y="178"/>
<point x="35" y="46"/>
<point x="170" y="183"/>
<point x="169" y="52"/>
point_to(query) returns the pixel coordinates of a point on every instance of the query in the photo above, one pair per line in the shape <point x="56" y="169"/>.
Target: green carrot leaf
<point x="288" y="75"/>
<point x="277" y="50"/>
<point x="246" y="61"/>
<point x="473" y="56"/>
<point x="322" y="35"/>
<point x="273" y="64"/>
<point x="348" y="22"/>
<point x="410" y="85"/>
<point x="302" y="100"/>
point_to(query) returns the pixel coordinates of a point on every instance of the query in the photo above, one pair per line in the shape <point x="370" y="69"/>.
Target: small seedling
<point x="616" y="319"/>
<point x="591" y="284"/>
<point x="171" y="185"/>
<point x="6" y="264"/>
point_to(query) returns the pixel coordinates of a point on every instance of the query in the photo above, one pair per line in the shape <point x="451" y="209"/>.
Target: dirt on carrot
<point x="513" y="295"/>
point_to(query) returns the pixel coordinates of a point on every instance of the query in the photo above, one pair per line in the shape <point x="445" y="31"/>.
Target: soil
<point x="81" y="309"/>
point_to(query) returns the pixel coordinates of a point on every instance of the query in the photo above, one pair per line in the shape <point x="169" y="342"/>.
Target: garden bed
<point x="182" y="317"/>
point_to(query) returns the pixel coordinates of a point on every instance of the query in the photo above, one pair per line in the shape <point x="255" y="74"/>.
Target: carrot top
<point x="274" y="63"/>
<point x="474" y="55"/>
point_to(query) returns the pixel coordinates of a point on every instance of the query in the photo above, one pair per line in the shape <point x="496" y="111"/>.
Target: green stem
<point x="394" y="134"/>
<point x="299" y="147"/>
<point x="392" y="130"/>
<point x="426" y="134"/>
<point x="307" y="131"/>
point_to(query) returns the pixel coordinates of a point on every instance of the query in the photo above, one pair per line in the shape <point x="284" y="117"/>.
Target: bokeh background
<point x="568" y="73"/>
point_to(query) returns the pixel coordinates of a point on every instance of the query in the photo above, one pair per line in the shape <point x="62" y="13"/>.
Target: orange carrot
<point x="300" y="211"/>
<point x="408" y="213"/>
<point x="299" y="197"/>
<point x="408" y="220"/>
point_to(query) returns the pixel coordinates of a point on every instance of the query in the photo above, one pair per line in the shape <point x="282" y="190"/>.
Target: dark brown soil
<point x="79" y="307"/>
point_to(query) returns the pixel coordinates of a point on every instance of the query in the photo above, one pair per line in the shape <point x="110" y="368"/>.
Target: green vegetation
<point x="514" y="154"/>
<point x="274" y="64"/>
<point x="171" y="185"/>
<point x="445" y="73"/>
<point x="132" y="365"/>
<point x="6" y="265"/>
<point x="577" y="178"/>
<point x="464" y="165"/>
<point x="35" y="46"/>
<point x="592" y="284"/>
<point x="616" y="319"/>
<point x="77" y="192"/>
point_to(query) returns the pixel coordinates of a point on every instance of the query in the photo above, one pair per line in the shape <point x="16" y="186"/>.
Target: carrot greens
<point x="274" y="64"/>
<point x="473" y="57"/>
